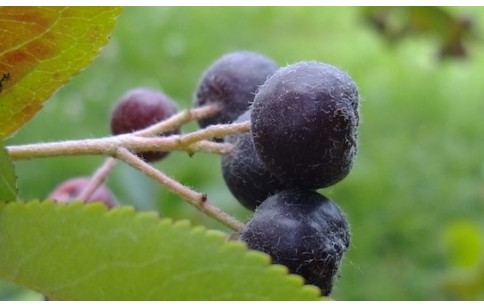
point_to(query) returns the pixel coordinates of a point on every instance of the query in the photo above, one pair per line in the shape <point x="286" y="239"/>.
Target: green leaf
<point x="463" y="241"/>
<point x="79" y="252"/>
<point x="8" y="179"/>
<point x="40" y="49"/>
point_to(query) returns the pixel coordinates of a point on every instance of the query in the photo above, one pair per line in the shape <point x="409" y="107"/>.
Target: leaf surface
<point x="79" y="252"/>
<point x="40" y="49"/>
<point x="8" y="179"/>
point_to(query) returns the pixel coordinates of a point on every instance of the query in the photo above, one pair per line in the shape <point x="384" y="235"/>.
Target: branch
<point x="108" y="145"/>
<point x="196" y="199"/>
<point x="214" y="131"/>
<point x="148" y="139"/>
<point x="178" y="120"/>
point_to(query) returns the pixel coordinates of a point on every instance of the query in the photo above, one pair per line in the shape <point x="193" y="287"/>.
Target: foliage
<point x="80" y="252"/>
<point x="42" y="47"/>
<point x="451" y="31"/>
<point x="8" y="189"/>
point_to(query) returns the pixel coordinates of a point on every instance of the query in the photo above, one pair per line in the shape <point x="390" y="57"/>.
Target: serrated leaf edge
<point x="154" y="218"/>
<point x="96" y="54"/>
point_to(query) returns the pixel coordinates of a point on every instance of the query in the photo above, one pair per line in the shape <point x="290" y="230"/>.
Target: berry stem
<point x="210" y="147"/>
<point x="97" y="179"/>
<point x="214" y="131"/>
<point x="108" y="145"/>
<point x="148" y="139"/>
<point x="196" y="199"/>
<point x="178" y="120"/>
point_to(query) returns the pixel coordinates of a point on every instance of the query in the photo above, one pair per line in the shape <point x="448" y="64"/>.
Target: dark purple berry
<point x="245" y="175"/>
<point x="302" y="230"/>
<point x="231" y="82"/>
<point x="140" y="108"/>
<point x="69" y="190"/>
<point x="304" y="124"/>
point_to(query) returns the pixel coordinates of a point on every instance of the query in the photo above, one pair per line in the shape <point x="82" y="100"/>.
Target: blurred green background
<point x="415" y="197"/>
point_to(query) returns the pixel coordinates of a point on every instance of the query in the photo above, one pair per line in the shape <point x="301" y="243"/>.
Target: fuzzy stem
<point x="214" y="131"/>
<point x="178" y="120"/>
<point x="210" y="147"/>
<point x="108" y="145"/>
<point x="196" y="199"/>
<point x="97" y="179"/>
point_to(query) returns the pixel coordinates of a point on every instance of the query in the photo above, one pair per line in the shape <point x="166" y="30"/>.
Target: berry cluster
<point x="304" y="121"/>
<point x="303" y="137"/>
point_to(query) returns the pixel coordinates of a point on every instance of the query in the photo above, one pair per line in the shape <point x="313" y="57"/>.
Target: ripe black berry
<point x="304" y="124"/>
<point x="69" y="190"/>
<point x="245" y="175"/>
<point x="231" y="82"/>
<point x="302" y="230"/>
<point x="139" y="109"/>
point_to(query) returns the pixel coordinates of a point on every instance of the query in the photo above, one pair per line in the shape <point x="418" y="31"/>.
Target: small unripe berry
<point x="140" y="108"/>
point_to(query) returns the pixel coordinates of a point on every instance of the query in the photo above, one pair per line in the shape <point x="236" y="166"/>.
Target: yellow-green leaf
<point x="8" y="179"/>
<point x="86" y="252"/>
<point x="40" y="49"/>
